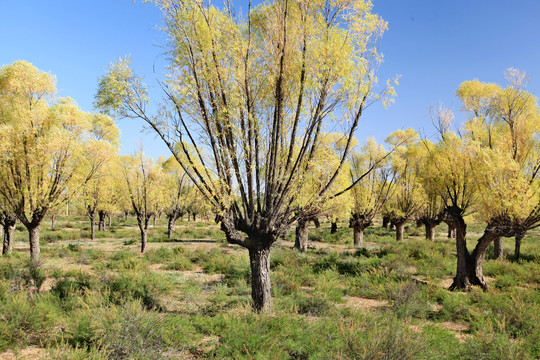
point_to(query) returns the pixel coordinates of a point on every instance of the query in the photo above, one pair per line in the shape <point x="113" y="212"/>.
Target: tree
<point x="406" y="201"/>
<point x="372" y="192"/>
<point x="142" y="178"/>
<point x="43" y="146"/>
<point x="7" y="221"/>
<point x="251" y="97"/>
<point x="506" y="120"/>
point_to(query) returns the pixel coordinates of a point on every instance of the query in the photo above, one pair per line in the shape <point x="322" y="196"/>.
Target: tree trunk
<point x="517" y="248"/>
<point x="430" y="231"/>
<point x="385" y="222"/>
<point x="358" y="234"/>
<point x="333" y="227"/>
<point x="400" y="226"/>
<point x="110" y="219"/>
<point x="170" y="226"/>
<point x="260" y="279"/>
<point x="53" y="221"/>
<point x="301" y="240"/>
<point x="33" y="234"/>
<point x="9" y="233"/>
<point x="92" y="227"/>
<point x="144" y="239"/>
<point x="451" y="231"/>
<point x="498" y="249"/>
<point x="476" y="275"/>
<point x="154" y="221"/>
<point x="461" y="280"/>
<point x="194" y="217"/>
<point x="102" y="216"/>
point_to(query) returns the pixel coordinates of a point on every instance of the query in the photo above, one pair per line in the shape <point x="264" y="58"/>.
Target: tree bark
<point x="144" y="239"/>
<point x="461" y="280"/>
<point x="498" y="249"/>
<point x="9" y="233"/>
<point x="33" y="234"/>
<point x="170" y="226"/>
<point x="154" y="221"/>
<point x="430" y="231"/>
<point x="358" y="234"/>
<point x="53" y="221"/>
<point x="400" y="226"/>
<point x="110" y="219"/>
<point x="476" y="275"/>
<point x="260" y="279"/>
<point x="385" y="222"/>
<point x="451" y="231"/>
<point x="517" y="247"/>
<point x="301" y="240"/>
<point x="333" y="227"/>
<point x="194" y="217"/>
<point x="101" y="224"/>
<point x="92" y="226"/>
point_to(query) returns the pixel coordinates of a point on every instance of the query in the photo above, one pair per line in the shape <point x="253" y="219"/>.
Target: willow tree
<point x="308" y="207"/>
<point x="44" y="146"/>
<point x="506" y="120"/>
<point x="373" y="191"/>
<point x="251" y="96"/>
<point x="406" y="200"/>
<point x="143" y="180"/>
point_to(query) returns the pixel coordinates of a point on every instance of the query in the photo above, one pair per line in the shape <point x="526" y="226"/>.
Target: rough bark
<point x="260" y="279"/>
<point x="142" y="221"/>
<point x="475" y="260"/>
<point x="498" y="249"/>
<point x="517" y="247"/>
<point x="170" y="225"/>
<point x="301" y="240"/>
<point x="430" y="230"/>
<point x="33" y="234"/>
<point x="333" y="227"/>
<point x="92" y="226"/>
<point x="101" y="225"/>
<point x="358" y="234"/>
<point x="9" y="233"/>
<point x="451" y="231"/>
<point x="400" y="227"/>
<point x="461" y="280"/>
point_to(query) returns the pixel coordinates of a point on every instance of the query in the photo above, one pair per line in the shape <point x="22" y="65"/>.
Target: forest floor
<point x="189" y="297"/>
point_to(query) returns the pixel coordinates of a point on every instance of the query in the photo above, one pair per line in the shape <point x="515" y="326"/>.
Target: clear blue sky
<point x="433" y="44"/>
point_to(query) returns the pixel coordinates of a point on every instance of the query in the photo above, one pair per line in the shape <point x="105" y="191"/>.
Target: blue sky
<point x="433" y="44"/>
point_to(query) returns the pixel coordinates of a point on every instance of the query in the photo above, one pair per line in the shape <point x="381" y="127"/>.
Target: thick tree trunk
<point x="9" y="233"/>
<point x="260" y="279"/>
<point x="385" y="222"/>
<point x="144" y="239"/>
<point x="517" y="247"/>
<point x="301" y="240"/>
<point x="430" y="231"/>
<point x="476" y="275"/>
<point x="101" y="224"/>
<point x="358" y="234"/>
<point x="194" y="217"/>
<point x="33" y="234"/>
<point x="498" y="249"/>
<point x="170" y="226"/>
<point x="333" y="227"/>
<point x="400" y="227"/>
<point x="461" y="280"/>
<point x="451" y="231"/>
<point x="92" y="227"/>
<point x="110" y="219"/>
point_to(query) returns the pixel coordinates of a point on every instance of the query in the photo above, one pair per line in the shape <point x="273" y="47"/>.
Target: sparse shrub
<point x="407" y="300"/>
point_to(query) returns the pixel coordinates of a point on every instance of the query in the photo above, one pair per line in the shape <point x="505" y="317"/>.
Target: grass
<point x="188" y="299"/>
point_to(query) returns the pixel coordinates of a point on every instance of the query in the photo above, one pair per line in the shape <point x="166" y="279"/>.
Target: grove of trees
<point x="260" y="115"/>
